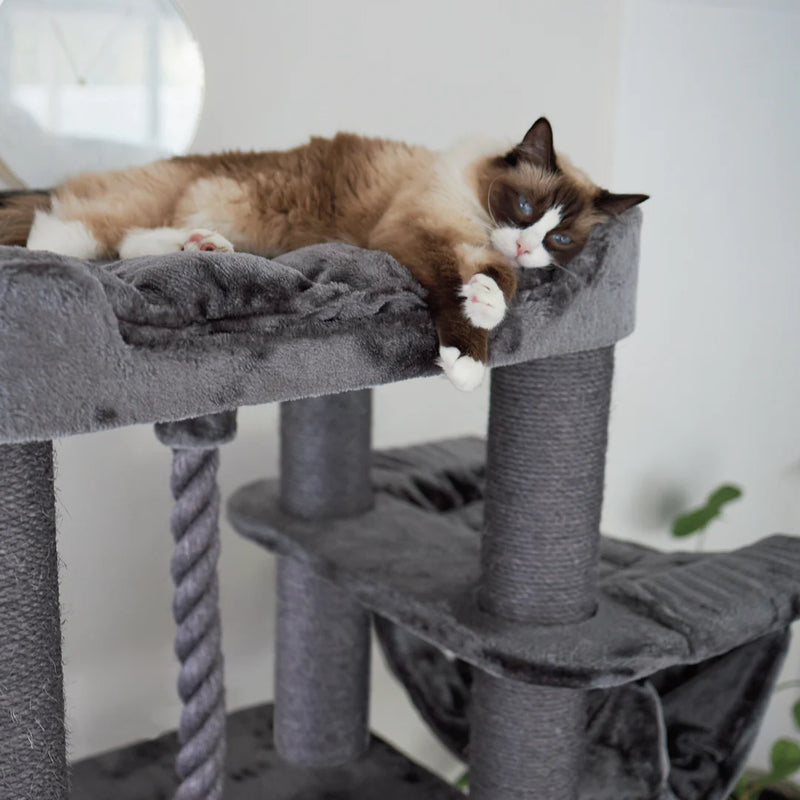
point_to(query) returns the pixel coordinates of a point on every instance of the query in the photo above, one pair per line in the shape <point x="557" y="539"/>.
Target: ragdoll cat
<point x="462" y="221"/>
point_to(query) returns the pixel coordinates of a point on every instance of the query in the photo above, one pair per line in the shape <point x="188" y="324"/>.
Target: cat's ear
<point x="614" y="204"/>
<point x="537" y="145"/>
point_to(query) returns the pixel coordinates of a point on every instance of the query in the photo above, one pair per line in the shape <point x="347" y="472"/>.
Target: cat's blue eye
<point x="561" y="238"/>
<point x="524" y="206"/>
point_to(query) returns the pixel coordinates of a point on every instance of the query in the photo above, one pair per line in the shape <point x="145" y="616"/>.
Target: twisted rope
<point x="194" y="523"/>
<point x="198" y="640"/>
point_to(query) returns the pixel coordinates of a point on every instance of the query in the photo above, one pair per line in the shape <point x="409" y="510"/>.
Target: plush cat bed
<point x="88" y="346"/>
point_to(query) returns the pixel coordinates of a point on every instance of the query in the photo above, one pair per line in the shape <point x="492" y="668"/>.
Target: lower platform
<point x="414" y="558"/>
<point x="145" y="771"/>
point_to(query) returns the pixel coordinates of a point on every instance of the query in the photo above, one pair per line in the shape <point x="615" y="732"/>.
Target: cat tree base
<point x="254" y="771"/>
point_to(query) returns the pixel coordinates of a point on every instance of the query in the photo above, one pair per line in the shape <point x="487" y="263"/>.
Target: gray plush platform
<point x="146" y="771"/>
<point x="414" y="558"/>
<point x="87" y="346"/>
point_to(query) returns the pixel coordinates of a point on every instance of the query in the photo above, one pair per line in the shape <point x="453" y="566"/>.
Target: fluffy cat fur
<point x="463" y="220"/>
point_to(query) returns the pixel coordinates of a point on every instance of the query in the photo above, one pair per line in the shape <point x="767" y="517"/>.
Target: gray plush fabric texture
<point x="198" y="433"/>
<point x="255" y="771"/>
<point x="88" y="346"/>
<point x="414" y="558"/>
<point x="684" y="732"/>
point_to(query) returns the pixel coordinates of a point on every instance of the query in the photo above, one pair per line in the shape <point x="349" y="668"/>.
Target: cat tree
<point x="597" y="669"/>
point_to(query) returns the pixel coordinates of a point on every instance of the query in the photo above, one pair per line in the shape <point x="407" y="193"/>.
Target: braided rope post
<point x="33" y="762"/>
<point x="198" y="640"/>
<point x="545" y="470"/>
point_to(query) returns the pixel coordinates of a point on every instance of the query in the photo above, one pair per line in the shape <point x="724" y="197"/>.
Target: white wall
<point x="276" y="73"/>
<point x="427" y="72"/>
<point x="708" y="387"/>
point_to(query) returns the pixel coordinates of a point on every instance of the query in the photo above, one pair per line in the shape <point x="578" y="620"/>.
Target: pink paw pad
<point x="208" y="241"/>
<point x="485" y="305"/>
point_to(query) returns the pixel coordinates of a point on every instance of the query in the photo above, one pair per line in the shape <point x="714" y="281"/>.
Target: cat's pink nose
<point x="521" y="249"/>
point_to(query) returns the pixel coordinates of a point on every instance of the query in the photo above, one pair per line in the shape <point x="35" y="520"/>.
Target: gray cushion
<point x="88" y="346"/>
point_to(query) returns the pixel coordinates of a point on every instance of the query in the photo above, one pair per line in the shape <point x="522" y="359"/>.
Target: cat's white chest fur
<point x="454" y="183"/>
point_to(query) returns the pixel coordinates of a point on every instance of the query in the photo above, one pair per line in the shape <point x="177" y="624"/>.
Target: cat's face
<point x="542" y="208"/>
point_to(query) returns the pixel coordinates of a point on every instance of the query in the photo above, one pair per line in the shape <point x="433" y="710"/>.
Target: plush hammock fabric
<point x="682" y="733"/>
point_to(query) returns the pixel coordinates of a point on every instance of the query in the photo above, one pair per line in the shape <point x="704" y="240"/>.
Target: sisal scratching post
<point x="32" y="739"/>
<point x="198" y="641"/>
<point x="323" y="636"/>
<point x="545" y="468"/>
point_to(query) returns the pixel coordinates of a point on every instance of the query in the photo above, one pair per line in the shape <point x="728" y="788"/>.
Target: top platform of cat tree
<point x="87" y="346"/>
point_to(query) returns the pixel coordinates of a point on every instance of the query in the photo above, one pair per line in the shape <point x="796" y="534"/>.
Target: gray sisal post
<point x="323" y="636"/>
<point x="32" y="739"/>
<point x="545" y="470"/>
<point x="198" y="641"/>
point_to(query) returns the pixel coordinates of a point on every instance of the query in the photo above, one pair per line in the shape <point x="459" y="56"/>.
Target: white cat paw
<point x="203" y="239"/>
<point x="484" y="303"/>
<point x="465" y="373"/>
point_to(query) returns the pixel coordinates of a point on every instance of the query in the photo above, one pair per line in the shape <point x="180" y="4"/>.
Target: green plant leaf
<point x="742" y="785"/>
<point x="698" y="519"/>
<point x="784" y="758"/>
<point x="692" y="522"/>
<point x="796" y="714"/>
<point x="724" y="494"/>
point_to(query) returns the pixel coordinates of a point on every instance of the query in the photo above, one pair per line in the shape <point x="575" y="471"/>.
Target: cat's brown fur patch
<point x="16" y="215"/>
<point x="327" y="190"/>
<point x="111" y="203"/>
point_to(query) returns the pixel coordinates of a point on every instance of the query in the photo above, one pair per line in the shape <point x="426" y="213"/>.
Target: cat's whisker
<point x="489" y="200"/>
<point x="575" y="275"/>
